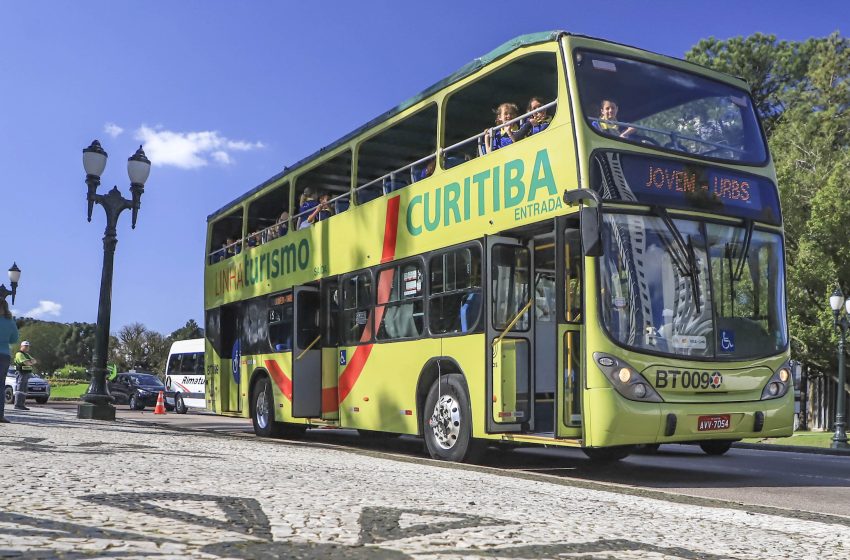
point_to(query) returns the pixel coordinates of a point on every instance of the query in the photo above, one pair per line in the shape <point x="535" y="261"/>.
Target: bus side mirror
<point x="591" y="232"/>
<point x="591" y="219"/>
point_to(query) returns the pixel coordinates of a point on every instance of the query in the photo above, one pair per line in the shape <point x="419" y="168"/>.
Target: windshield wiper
<point x="692" y="259"/>
<point x="687" y="266"/>
<point x="745" y="251"/>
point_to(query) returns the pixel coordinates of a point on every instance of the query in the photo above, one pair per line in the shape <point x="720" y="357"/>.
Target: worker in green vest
<point x="23" y="364"/>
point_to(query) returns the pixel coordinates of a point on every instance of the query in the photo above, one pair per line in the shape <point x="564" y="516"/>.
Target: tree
<point x="139" y="348"/>
<point x="802" y="93"/>
<point x="43" y="335"/>
<point x="76" y="345"/>
<point x="190" y="330"/>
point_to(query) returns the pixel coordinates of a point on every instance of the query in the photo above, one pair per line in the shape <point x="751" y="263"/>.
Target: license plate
<point x="714" y="422"/>
<point x="37" y="389"/>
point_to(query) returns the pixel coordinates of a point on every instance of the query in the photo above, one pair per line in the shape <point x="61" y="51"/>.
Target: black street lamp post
<point x="14" y="276"/>
<point x="841" y="321"/>
<point x="97" y="399"/>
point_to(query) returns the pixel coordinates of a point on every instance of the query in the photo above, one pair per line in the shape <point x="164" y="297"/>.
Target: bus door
<point x="307" y="355"/>
<point x="510" y="332"/>
<point x="569" y="278"/>
<point x="231" y="367"/>
<point x="330" y="347"/>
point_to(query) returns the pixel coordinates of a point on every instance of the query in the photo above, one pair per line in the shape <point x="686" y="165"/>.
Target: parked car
<point x="38" y="388"/>
<point x="137" y="389"/>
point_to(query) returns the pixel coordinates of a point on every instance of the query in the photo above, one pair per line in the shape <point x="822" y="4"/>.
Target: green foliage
<point x="43" y="337"/>
<point x="187" y="331"/>
<point x="69" y="371"/>
<point x="802" y="92"/>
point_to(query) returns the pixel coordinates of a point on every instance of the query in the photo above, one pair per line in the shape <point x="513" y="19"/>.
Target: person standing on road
<point x="8" y="336"/>
<point x="23" y="363"/>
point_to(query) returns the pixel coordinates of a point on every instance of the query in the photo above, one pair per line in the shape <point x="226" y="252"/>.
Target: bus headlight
<point x="625" y="379"/>
<point x="778" y="384"/>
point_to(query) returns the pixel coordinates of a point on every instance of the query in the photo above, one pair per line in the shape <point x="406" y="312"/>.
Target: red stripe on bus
<point x="283" y="382"/>
<point x="353" y="370"/>
<point x="390" y="229"/>
<point x="329" y="402"/>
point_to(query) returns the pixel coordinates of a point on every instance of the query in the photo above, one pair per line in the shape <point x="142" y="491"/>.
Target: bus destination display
<point x="688" y="186"/>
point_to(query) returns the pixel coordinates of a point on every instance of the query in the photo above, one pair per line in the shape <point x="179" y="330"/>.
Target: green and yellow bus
<point x="603" y="268"/>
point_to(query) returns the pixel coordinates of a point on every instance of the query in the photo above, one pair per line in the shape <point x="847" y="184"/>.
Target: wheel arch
<point x="256" y="375"/>
<point x="433" y="368"/>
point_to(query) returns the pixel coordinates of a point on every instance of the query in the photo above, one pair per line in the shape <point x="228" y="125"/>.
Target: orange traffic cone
<point x="160" y="404"/>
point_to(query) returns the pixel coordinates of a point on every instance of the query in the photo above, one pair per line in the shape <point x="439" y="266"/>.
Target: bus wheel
<point x="607" y="454"/>
<point x="262" y="410"/>
<point x="715" y="447"/>
<point x="179" y="405"/>
<point x="447" y="422"/>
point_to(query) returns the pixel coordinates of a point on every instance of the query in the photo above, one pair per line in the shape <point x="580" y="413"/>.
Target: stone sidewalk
<point x="84" y="489"/>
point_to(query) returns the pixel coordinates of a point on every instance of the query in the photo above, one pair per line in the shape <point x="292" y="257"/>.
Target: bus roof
<point x="186" y="346"/>
<point x="466" y="70"/>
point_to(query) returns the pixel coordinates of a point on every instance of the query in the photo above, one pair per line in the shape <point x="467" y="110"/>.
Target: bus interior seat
<point x="452" y="160"/>
<point x="369" y="193"/>
<point x="394" y="184"/>
<point x="405" y="323"/>
<point x="341" y="205"/>
<point x="389" y="321"/>
<point x="470" y="307"/>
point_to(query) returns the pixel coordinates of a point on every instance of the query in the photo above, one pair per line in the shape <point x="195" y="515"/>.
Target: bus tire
<point x="262" y="409"/>
<point x="179" y="405"/>
<point x="715" y="447"/>
<point x="607" y="454"/>
<point x="447" y="422"/>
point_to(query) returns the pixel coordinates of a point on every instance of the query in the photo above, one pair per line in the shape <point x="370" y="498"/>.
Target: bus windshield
<point x="690" y="288"/>
<point x="661" y="107"/>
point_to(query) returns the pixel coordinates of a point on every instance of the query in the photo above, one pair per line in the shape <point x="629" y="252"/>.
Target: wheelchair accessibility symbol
<point x="727" y="341"/>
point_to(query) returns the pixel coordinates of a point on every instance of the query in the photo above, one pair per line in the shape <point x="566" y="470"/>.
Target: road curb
<point x="792" y="449"/>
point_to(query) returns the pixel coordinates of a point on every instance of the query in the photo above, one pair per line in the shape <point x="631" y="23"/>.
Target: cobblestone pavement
<point x="84" y="489"/>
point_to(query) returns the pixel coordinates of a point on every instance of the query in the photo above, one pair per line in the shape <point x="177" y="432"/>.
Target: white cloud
<point x="112" y="129"/>
<point x="190" y="150"/>
<point x="45" y="308"/>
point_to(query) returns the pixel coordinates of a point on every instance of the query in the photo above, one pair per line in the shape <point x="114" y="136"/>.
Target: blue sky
<point x="225" y="94"/>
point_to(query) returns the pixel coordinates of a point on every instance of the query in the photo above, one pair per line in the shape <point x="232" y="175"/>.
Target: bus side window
<point x="455" y="291"/>
<point x="173" y="364"/>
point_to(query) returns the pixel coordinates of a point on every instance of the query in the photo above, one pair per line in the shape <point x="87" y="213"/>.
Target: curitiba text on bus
<point x="261" y="265"/>
<point x="528" y="191"/>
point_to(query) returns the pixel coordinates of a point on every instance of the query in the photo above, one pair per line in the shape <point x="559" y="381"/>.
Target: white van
<point x="184" y="375"/>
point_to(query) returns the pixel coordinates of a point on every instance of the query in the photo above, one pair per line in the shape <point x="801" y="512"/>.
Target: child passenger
<point x="504" y="135"/>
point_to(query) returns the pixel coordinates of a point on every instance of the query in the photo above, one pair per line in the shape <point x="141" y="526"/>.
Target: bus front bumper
<point x="619" y="421"/>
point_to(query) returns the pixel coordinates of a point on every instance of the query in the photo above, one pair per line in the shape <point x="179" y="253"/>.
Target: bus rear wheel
<point x="447" y="422"/>
<point x="715" y="447"/>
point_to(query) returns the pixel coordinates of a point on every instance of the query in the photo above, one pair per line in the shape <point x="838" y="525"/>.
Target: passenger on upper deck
<point x="305" y="206"/>
<point x="504" y="135"/>
<point x="282" y="224"/>
<point x="537" y="121"/>
<point x="608" y="110"/>
<point x="322" y="211"/>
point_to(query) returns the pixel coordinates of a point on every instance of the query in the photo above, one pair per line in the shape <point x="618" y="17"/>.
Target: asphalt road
<point x="803" y="485"/>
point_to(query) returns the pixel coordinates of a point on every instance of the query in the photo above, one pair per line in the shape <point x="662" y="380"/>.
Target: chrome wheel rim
<point x="262" y="410"/>
<point x="445" y="421"/>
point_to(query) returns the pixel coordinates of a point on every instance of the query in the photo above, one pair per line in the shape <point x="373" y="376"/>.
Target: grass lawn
<point x="68" y="391"/>
<point x="806" y="439"/>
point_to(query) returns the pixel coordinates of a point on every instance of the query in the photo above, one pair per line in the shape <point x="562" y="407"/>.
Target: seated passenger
<point x="231" y="247"/>
<point x="608" y="110"/>
<point x="419" y="172"/>
<point x="322" y="210"/>
<point x="255" y="239"/>
<point x="537" y="121"/>
<point x="505" y="135"/>
<point x="282" y="224"/>
<point x="306" y="205"/>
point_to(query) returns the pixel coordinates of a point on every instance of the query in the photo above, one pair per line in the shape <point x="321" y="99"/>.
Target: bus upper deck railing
<point x="388" y="183"/>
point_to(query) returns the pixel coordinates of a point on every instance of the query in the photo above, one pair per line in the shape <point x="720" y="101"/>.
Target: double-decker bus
<point x="603" y="268"/>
